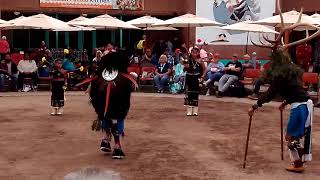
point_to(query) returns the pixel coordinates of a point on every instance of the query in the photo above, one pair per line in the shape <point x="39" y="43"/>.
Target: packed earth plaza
<point x="170" y="89"/>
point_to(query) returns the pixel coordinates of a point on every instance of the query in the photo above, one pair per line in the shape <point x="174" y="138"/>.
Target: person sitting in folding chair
<point x="27" y="69"/>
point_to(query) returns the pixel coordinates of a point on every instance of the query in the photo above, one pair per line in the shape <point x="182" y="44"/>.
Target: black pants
<point x="33" y="76"/>
<point x="57" y="96"/>
<point x="193" y="90"/>
<point x="257" y="86"/>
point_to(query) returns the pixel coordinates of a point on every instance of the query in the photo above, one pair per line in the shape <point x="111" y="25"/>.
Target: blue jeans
<point x="225" y="82"/>
<point x="214" y="76"/>
<point x="161" y="82"/>
<point x="14" y="82"/>
<point x="2" y="79"/>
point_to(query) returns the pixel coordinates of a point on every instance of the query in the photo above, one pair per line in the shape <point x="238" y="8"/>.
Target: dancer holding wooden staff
<point x="286" y="81"/>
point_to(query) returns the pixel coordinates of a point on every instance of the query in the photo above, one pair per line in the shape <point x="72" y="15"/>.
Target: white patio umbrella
<point x="74" y="28"/>
<point x="316" y="16"/>
<point x="80" y="28"/>
<point x="3" y="21"/>
<point x="145" y="21"/>
<point x="41" y="21"/>
<point x="188" y="20"/>
<point x="105" y="22"/>
<point x="76" y="20"/>
<point x="247" y="27"/>
<point x="161" y="29"/>
<point x="10" y="24"/>
<point x="80" y="19"/>
<point x="289" y="18"/>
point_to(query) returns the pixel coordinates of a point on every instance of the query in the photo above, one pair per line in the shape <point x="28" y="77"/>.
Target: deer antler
<point x="268" y="40"/>
<point x="280" y="13"/>
<point x="262" y="45"/>
<point x="278" y="42"/>
<point x="302" y="41"/>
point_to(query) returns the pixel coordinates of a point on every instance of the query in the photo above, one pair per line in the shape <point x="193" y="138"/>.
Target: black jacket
<point x="14" y="68"/>
<point x="290" y="90"/>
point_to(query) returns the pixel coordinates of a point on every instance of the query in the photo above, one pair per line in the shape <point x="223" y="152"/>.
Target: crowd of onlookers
<point x="162" y="65"/>
<point x="37" y="64"/>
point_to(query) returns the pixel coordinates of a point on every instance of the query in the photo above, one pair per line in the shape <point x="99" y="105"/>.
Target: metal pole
<point x="247" y="43"/>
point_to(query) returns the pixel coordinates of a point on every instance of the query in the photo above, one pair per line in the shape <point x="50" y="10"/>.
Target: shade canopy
<point x="145" y="21"/>
<point x="39" y="21"/>
<point x="289" y="18"/>
<point x="77" y="20"/>
<point x="3" y="21"/>
<point x="10" y="24"/>
<point x="316" y="16"/>
<point x="247" y="27"/>
<point x="188" y="20"/>
<point x="75" y="28"/>
<point x="160" y="29"/>
<point x="105" y="22"/>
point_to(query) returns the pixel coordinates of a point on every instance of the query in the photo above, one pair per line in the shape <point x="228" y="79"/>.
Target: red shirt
<point x="303" y="52"/>
<point x="4" y="46"/>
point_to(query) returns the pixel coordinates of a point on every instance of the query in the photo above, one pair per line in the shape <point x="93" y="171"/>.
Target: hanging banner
<point x="94" y="4"/>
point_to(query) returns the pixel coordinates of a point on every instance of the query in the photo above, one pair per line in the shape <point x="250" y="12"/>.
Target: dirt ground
<point x="160" y="143"/>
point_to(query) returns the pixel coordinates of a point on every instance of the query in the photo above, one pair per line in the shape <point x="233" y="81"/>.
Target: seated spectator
<point x="109" y="48"/>
<point x="257" y="85"/>
<point x="3" y="74"/>
<point x="177" y="56"/>
<point x="43" y="69"/>
<point x="170" y="58"/>
<point x="4" y="47"/>
<point x="13" y="72"/>
<point x="214" y="70"/>
<point x="67" y="64"/>
<point x="78" y="75"/>
<point x="163" y="71"/>
<point x="27" y="69"/>
<point x="146" y="59"/>
<point x="48" y="58"/>
<point x="255" y="62"/>
<point x="233" y="73"/>
<point x="178" y="78"/>
<point x="98" y="56"/>
<point x="248" y="64"/>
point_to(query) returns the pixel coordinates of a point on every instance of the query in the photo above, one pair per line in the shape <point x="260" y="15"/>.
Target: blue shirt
<point x="218" y="65"/>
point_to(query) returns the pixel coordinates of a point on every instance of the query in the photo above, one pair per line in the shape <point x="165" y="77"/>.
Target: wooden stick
<point x="247" y="143"/>
<point x="281" y="125"/>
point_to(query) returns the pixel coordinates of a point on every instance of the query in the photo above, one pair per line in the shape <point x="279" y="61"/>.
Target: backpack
<point x="237" y="89"/>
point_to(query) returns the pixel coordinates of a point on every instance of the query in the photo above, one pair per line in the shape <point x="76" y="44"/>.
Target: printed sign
<point x="94" y="4"/>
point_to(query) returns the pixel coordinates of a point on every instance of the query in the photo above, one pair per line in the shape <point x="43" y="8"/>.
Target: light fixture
<point x="17" y="13"/>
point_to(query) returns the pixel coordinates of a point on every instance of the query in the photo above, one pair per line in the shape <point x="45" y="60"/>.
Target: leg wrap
<point x="295" y="150"/>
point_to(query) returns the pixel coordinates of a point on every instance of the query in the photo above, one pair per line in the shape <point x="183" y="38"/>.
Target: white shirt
<point x="27" y="66"/>
<point x="9" y="67"/>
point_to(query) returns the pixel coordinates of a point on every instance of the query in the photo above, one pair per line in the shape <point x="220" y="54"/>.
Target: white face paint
<point x="109" y="76"/>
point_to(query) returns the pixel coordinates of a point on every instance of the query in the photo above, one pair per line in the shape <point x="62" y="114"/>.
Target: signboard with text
<point x="94" y="4"/>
